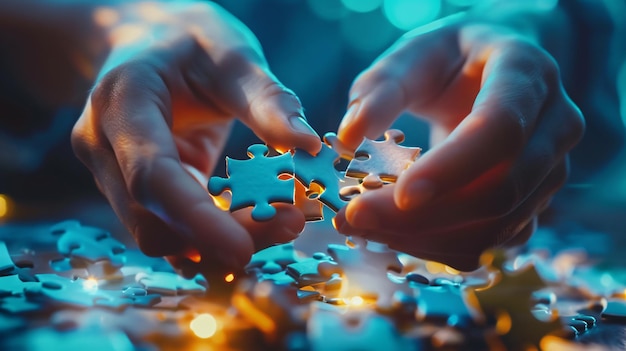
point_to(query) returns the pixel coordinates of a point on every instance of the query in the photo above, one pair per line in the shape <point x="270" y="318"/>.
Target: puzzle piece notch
<point x="384" y="160"/>
<point x="255" y="182"/>
<point x="87" y="245"/>
<point x="508" y="298"/>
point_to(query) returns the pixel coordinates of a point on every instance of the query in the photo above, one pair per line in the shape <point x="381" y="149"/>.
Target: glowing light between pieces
<point x="204" y="326"/>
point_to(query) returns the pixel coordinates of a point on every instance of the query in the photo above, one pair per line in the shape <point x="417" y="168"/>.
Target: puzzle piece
<point x="85" y="245"/>
<point x="445" y="304"/>
<point x="508" y="298"/>
<point x="18" y="305"/>
<point x="313" y="270"/>
<point x="6" y="264"/>
<point x="167" y="283"/>
<point x="320" y="169"/>
<point x="309" y="205"/>
<point x="384" y="160"/>
<point x="255" y="182"/>
<point x="354" y="330"/>
<point x="273" y="259"/>
<point x="60" y="290"/>
<point x="366" y="275"/>
<point x="13" y="285"/>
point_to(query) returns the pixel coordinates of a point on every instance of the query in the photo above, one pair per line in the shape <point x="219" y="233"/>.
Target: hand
<point x="158" y="117"/>
<point x="501" y="128"/>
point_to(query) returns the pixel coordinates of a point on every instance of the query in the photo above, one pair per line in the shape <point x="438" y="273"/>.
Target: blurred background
<point x="316" y="48"/>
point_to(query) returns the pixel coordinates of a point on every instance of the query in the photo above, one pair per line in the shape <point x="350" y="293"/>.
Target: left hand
<point x="501" y="127"/>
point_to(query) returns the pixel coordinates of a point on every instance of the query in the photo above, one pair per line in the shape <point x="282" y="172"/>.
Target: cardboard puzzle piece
<point x="353" y="330"/>
<point x="445" y="304"/>
<point x="365" y="273"/>
<point x="255" y="182"/>
<point x="55" y="289"/>
<point x="13" y="285"/>
<point x="167" y="283"/>
<point x="384" y="160"/>
<point x="273" y="259"/>
<point x="306" y="200"/>
<point x="508" y="298"/>
<point x="313" y="270"/>
<point x="84" y="245"/>
<point x="6" y="264"/>
<point x="320" y="169"/>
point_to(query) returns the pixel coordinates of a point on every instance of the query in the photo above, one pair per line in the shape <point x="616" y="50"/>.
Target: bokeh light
<point x="408" y="14"/>
<point x="91" y="284"/>
<point x="229" y="278"/>
<point x="362" y="5"/>
<point x="204" y="326"/>
<point x="4" y="206"/>
<point x="331" y="10"/>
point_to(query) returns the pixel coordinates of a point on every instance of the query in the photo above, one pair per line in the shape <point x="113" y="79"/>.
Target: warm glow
<point x="355" y="301"/>
<point x="193" y="255"/>
<point x="204" y="326"/>
<point x="106" y="16"/>
<point x="128" y="34"/>
<point x="4" y="206"/>
<point x="451" y="270"/>
<point x="435" y="267"/>
<point x="229" y="278"/>
<point x="503" y="325"/>
<point x="91" y="284"/>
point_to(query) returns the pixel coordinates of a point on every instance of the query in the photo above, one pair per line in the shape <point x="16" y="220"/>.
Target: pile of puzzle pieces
<point x="92" y="293"/>
<point x="265" y="179"/>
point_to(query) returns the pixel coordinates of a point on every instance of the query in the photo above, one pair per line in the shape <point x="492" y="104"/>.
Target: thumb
<point x="276" y="115"/>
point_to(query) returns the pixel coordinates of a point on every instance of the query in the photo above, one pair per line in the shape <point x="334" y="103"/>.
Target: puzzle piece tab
<point x="273" y="259"/>
<point x="167" y="283"/>
<point x="255" y="182"/>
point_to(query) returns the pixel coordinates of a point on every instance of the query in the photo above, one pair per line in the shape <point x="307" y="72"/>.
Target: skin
<point x="501" y="128"/>
<point x="158" y="117"/>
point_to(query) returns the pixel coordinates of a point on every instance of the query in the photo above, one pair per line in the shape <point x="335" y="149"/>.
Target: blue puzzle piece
<point x="255" y="182"/>
<point x="320" y="169"/>
<point x="86" y="245"/>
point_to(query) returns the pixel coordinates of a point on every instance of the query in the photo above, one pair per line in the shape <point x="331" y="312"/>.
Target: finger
<point x="411" y="72"/>
<point x="241" y="83"/>
<point x="133" y="116"/>
<point x="285" y="226"/>
<point x="502" y="118"/>
<point x="492" y="197"/>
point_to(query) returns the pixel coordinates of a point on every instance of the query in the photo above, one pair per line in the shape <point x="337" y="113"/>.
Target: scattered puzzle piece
<point x="445" y="304"/>
<point x="84" y="245"/>
<point x="273" y="259"/>
<point x="6" y="264"/>
<point x="255" y="182"/>
<point x="384" y="160"/>
<point x="167" y="283"/>
<point x="354" y="330"/>
<point x="366" y="273"/>
<point x="508" y="298"/>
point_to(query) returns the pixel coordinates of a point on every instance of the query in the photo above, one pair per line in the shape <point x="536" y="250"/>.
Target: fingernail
<point x="300" y="125"/>
<point x="416" y="194"/>
<point x="350" y="115"/>
<point x="366" y="220"/>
